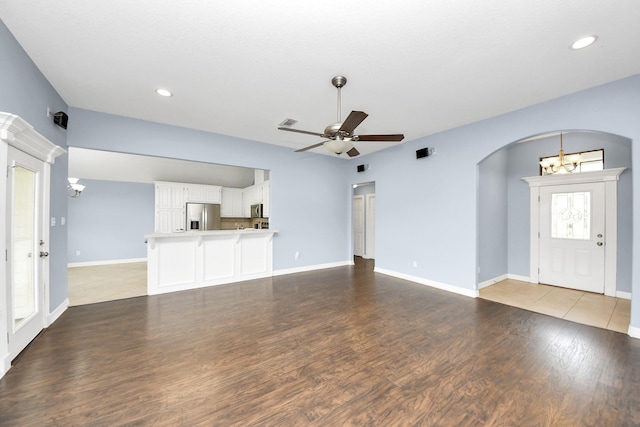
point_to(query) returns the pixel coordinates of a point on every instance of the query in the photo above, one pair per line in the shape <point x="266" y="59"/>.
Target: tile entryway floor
<point x="577" y="306"/>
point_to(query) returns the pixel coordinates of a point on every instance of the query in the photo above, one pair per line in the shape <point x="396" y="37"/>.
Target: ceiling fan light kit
<point x="340" y="135"/>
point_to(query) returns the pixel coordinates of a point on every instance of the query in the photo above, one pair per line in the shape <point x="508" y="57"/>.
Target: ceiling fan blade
<point x="311" y="146"/>
<point x="352" y="121"/>
<point x="396" y="137"/>
<point x="353" y="152"/>
<point x="300" y="131"/>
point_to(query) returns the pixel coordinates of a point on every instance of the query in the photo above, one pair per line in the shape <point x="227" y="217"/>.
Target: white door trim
<point x="610" y="177"/>
<point x="370" y="226"/>
<point x="16" y="132"/>
<point x="358" y="234"/>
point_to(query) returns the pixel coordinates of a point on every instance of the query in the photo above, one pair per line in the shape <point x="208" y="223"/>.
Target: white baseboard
<point x="623" y="295"/>
<point x="311" y="268"/>
<point x="108" y="262"/>
<point x="472" y="293"/>
<point x="492" y="281"/>
<point x="5" y="365"/>
<point x="634" y="332"/>
<point x="55" y="314"/>
<point x="502" y="277"/>
<point x="519" y="277"/>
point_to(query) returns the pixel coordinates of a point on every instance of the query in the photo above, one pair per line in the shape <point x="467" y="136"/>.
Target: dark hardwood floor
<point x="336" y="347"/>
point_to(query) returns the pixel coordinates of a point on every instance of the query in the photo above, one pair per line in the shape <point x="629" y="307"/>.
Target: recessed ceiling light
<point x="163" y="92"/>
<point x="584" y="42"/>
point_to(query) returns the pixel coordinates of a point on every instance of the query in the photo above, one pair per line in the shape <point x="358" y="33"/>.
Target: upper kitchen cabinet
<point x="203" y="193"/>
<point x="170" y="195"/>
<point x="231" y="202"/>
<point x="258" y="193"/>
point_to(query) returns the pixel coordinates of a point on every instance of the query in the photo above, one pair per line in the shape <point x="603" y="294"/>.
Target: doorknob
<point x="599" y="243"/>
<point x="44" y="254"/>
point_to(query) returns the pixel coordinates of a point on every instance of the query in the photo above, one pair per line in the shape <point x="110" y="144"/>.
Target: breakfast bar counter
<point x="195" y="259"/>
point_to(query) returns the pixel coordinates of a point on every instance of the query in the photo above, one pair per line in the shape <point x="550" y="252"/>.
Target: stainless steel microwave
<point x="256" y="210"/>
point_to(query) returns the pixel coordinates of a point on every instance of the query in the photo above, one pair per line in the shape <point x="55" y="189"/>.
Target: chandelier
<point x="560" y="164"/>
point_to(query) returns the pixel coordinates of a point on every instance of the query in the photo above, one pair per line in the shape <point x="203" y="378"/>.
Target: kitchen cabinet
<point x="170" y="195"/>
<point x="203" y="193"/>
<point x="171" y="200"/>
<point x="258" y="193"/>
<point x="231" y="206"/>
<point x="170" y="207"/>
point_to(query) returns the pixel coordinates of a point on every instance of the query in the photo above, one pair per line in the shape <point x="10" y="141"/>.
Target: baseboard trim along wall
<point x="107" y="262"/>
<point x="634" y="332"/>
<point x="55" y="314"/>
<point x="311" y="268"/>
<point x="623" y="295"/>
<point x="472" y="293"/>
<point x="503" y="277"/>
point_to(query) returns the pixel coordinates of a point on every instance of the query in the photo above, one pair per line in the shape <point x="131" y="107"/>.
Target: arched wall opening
<point x="503" y="202"/>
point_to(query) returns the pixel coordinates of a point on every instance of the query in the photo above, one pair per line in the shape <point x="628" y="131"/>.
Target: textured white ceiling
<point x="239" y="68"/>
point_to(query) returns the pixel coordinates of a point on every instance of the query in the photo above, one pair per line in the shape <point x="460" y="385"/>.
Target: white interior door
<point x="25" y="250"/>
<point x="370" y="222"/>
<point x="358" y="225"/>
<point x="572" y="236"/>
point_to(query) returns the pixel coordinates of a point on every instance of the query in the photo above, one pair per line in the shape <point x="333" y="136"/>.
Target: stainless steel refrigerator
<point x="203" y="216"/>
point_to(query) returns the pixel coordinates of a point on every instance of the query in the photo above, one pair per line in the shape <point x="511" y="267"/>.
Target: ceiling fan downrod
<point x="339" y="82"/>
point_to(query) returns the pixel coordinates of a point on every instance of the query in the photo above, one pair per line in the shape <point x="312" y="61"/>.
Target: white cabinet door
<point x="169" y="195"/>
<point x="232" y="203"/>
<point x="248" y="197"/>
<point x="213" y="194"/>
<point x="265" y="199"/>
<point x="177" y="196"/>
<point x="169" y="220"/>
<point x="203" y="193"/>
<point x="195" y="193"/>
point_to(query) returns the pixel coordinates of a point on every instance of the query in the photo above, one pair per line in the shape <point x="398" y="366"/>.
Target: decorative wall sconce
<point x="75" y="187"/>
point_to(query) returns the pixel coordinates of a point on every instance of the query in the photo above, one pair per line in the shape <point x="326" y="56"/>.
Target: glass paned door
<point x="23" y="246"/>
<point x="25" y="261"/>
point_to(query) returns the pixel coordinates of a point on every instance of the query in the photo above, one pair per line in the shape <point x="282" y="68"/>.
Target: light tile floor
<point x="577" y="306"/>
<point x="88" y="285"/>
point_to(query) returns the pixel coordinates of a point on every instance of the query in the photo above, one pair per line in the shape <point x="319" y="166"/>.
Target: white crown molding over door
<point x="17" y="133"/>
<point x="610" y="177"/>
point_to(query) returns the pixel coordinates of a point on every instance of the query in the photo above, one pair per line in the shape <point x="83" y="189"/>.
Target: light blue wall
<point x="311" y="194"/>
<point x="309" y="200"/>
<point x="26" y="93"/>
<point x="492" y="216"/>
<point x="522" y="161"/>
<point x="442" y="191"/>
<point x="108" y="221"/>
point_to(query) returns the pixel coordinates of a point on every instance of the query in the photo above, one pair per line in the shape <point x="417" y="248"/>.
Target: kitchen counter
<point x="194" y="259"/>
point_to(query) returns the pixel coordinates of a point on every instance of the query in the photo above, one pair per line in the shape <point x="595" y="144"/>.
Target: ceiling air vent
<point x="288" y="122"/>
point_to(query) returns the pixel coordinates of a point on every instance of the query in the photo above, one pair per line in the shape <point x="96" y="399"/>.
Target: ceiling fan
<point x="340" y="134"/>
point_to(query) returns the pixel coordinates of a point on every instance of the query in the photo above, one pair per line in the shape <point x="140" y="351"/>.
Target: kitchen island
<point x="195" y="259"/>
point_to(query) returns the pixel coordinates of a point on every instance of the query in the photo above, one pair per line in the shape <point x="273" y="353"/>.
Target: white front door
<point x="25" y="250"/>
<point x="572" y="236"/>
<point x="358" y="225"/>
